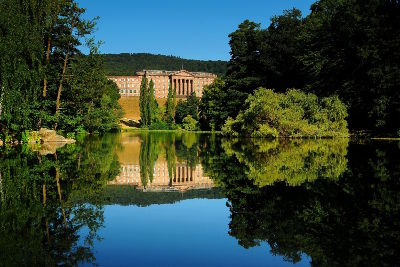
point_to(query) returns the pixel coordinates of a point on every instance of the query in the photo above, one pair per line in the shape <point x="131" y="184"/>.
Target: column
<point x="183" y="87"/>
<point x="191" y="86"/>
<point x="187" y="87"/>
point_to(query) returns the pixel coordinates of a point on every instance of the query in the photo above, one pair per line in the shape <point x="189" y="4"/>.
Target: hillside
<point x="130" y="106"/>
<point x="128" y="64"/>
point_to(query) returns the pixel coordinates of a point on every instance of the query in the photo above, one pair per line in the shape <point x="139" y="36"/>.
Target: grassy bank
<point x="131" y="129"/>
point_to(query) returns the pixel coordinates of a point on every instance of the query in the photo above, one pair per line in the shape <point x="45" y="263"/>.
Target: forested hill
<point x="128" y="64"/>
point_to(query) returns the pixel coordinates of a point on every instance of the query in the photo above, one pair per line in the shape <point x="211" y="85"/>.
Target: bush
<point x="162" y="125"/>
<point x="294" y="114"/>
<point x="190" y="124"/>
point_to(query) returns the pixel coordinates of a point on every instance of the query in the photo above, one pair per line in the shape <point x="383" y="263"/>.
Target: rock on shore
<point x="51" y="136"/>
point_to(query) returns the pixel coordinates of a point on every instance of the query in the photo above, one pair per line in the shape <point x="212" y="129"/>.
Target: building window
<point x="134" y="91"/>
<point x="130" y="91"/>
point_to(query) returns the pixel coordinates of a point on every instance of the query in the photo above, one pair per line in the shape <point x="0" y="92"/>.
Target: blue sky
<point x="186" y="28"/>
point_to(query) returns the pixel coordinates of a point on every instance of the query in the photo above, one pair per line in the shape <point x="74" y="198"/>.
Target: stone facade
<point x="183" y="81"/>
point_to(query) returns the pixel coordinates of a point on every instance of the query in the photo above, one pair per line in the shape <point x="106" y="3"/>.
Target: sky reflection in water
<point x="200" y="200"/>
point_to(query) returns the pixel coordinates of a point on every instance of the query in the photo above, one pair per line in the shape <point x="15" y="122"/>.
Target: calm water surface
<point x="163" y="199"/>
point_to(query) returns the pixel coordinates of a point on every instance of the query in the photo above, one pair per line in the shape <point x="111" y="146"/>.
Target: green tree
<point x="192" y="104"/>
<point x="294" y="114"/>
<point x="91" y="102"/>
<point x="212" y="105"/>
<point x="181" y="111"/>
<point x="187" y="107"/>
<point x="150" y="102"/>
<point x="22" y="24"/>
<point x="154" y="112"/>
<point x="189" y="123"/>
<point x="348" y="49"/>
<point x="71" y="27"/>
<point x="143" y="98"/>
<point x="259" y="58"/>
<point x="38" y="68"/>
<point x="170" y="105"/>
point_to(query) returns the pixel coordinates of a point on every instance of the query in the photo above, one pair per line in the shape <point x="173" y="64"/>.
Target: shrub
<point x="190" y="124"/>
<point x="294" y="114"/>
<point x="162" y="125"/>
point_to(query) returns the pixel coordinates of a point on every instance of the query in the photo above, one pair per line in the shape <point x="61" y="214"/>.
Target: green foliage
<point x="127" y="64"/>
<point x="22" y="24"/>
<point x="170" y="105"/>
<point x="150" y="103"/>
<point x="39" y="224"/>
<point x="92" y="102"/>
<point x="45" y="80"/>
<point x="213" y="112"/>
<point x="294" y="114"/>
<point x="354" y="198"/>
<point x="162" y="125"/>
<point x="190" y="106"/>
<point x="149" y="150"/>
<point x="150" y="113"/>
<point x="345" y="48"/>
<point x="143" y="102"/>
<point x="30" y="136"/>
<point x="190" y="124"/>
<point x="348" y="49"/>
<point x="292" y="161"/>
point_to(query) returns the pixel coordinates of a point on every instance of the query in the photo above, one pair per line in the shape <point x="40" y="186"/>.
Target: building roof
<point x="167" y="73"/>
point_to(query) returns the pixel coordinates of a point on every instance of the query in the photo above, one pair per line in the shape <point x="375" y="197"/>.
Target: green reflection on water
<point x="337" y="202"/>
<point x="39" y="225"/>
<point x="293" y="161"/>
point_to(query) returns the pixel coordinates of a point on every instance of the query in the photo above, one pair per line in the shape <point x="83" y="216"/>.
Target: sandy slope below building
<point x="130" y="106"/>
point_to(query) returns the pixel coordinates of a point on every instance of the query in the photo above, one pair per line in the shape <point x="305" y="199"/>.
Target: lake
<point x="185" y="199"/>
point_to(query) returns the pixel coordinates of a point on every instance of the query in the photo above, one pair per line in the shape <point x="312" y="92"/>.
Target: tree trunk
<point x="1" y="188"/>
<point x="60" y="88"/>
<point x="47" y="64"/>
<point x="59" y="193"/>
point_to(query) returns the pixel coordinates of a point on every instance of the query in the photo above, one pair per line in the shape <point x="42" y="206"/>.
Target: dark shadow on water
<point x="338" y="204"/>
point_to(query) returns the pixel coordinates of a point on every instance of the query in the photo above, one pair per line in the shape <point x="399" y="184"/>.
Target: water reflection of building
<point x="184" y="177"/>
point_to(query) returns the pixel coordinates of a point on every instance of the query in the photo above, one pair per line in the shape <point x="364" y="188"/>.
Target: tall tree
<point x="259" y="58"/>
<point x="350" y="48"/>
<point x="39" y="43"/>
<point x="22" y="24"/>
<point x="170" y="105"/>
<point x="72" y="27"/>
<point x="143" y="101"/>
<point x="193" y="106"/>
<point x="151" y="103"/>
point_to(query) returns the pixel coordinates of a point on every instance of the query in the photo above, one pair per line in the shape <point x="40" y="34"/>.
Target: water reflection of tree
<point x="175" y="147"/>
<point x="149" y="150"/>
<point x="350" y="220"/>
<point x="42" y="205"/>
<point x="292" y="161"/>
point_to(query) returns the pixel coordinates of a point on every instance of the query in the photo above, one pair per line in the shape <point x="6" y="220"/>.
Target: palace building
<point x="183" y="81"/>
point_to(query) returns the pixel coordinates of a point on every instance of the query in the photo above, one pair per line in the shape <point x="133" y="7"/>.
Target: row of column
<point x="183" y="86"/>
<point x="180" y="174"/>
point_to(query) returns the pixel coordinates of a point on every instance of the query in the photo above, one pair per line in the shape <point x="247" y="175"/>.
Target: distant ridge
<point x="128" y="64"/>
